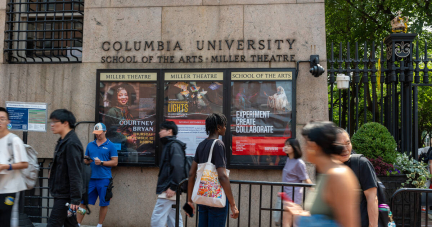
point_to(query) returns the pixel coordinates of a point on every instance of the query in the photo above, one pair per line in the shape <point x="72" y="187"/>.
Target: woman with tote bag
<point x="211" y="190"/>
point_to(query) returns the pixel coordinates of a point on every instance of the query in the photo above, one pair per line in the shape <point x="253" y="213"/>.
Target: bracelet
<point x="10" y="167"/>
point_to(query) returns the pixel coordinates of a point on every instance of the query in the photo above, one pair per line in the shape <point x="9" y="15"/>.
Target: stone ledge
<point x="135" y="3"/>
<point x="247" y="2"/>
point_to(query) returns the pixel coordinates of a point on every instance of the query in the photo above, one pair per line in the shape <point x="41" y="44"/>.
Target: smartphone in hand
<point x="87" y="158"/>
<point x="188" y="209"/>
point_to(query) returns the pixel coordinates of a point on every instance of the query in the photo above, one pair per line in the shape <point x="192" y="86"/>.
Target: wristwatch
<point x="101" y="163"/>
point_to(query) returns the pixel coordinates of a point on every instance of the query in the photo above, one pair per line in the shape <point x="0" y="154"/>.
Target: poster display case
<point x="259" y="105"/>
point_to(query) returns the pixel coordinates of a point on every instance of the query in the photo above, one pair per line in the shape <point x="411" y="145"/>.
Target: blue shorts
<point x="98" y="187"/>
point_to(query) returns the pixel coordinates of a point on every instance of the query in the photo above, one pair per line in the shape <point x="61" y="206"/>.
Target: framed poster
<point x="262" y="116"/>
<point x="126" y="104"/>
<point x="189" y="98"/>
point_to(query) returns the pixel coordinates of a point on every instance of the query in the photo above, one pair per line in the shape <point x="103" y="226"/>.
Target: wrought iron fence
<point x="383" y="86"/>
<point x="44" y="31"/>
<point x="260" y="202"/>
<point x="411" y="207"/>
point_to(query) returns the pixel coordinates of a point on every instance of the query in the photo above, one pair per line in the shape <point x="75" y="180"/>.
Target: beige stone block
<point x="153" y="3"/>
<point x="199" y="25"/>
<point x="2" y="28"/>
<point x="312" y="96"/>
<point x="134" y="198"/>
<point x="58" y="85"/>
<point x="246" y="2"/>
<point x="97" y="4"/>
<point x="119" y="24"/>
<point x="3" y="4"/>
<point x="305" y="1"/>
<point x="303" y="23"/>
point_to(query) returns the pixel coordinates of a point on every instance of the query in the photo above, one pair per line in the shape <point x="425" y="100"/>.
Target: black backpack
<point x="424" y="157"/>
<point x="187" y="166"/>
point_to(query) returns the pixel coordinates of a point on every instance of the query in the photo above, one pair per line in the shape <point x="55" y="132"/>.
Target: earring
<point x="9" y="126"/>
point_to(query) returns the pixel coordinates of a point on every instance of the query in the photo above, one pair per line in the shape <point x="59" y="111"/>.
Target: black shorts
<point x="6" y="204"/>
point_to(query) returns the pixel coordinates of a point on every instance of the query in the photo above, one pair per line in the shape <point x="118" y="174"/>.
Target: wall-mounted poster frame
<point x="266" y="116"/>
<point x="127" y="101"/>
<point x="205" y="86"/>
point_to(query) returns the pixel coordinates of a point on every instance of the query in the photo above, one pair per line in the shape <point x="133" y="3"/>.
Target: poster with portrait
<point x="189" y="98"/>
<point x="261" y="115"/>
<point x="127" y="106"/>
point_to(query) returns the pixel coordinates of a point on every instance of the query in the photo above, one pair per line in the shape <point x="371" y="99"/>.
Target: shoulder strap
<point x="355" y="163"/>
<point x="211" y="150"/>
<point x="11" y="136"/>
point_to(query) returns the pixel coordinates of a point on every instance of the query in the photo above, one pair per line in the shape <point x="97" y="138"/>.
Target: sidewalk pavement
<point x="44" y="225"/>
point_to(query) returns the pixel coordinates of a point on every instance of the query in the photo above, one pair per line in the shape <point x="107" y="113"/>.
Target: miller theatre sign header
<point x="210" y="45"/>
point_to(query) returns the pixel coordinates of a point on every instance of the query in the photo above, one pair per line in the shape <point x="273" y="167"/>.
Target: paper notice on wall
<point x="191" y="132"/>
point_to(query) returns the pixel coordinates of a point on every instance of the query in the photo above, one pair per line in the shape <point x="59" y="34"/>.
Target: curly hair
<point x="213" y="120"/>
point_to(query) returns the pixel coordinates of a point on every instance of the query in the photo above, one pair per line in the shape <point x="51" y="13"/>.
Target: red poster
<point x="258" y="145"/>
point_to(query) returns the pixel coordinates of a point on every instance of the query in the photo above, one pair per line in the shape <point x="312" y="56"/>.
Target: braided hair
<point x="213" y="120"/>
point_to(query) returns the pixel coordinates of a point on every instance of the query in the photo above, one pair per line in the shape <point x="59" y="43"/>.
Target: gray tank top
<point x="315" y="203"/>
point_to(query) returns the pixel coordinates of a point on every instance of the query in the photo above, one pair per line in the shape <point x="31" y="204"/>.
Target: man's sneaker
<point x="430" y="216"/>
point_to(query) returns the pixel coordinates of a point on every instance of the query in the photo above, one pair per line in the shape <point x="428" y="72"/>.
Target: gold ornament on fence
<point x="399" y="24"/>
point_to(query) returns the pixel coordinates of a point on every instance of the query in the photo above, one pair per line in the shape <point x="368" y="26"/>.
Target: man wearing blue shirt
<point x="101" y="154"/>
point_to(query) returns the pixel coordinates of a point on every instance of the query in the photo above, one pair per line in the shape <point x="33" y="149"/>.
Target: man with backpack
<point x="366" y="176"/>
<point x="101" y="154"/>
<point x="65" y="175"/>
<point x="13" y="158"/>
<point x="171" y="173"/>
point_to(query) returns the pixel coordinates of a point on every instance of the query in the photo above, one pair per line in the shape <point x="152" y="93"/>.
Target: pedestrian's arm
<point x="430" y="166"/>
<point x="15" y="166"/>
<point x="191" y="180"/>
<point x="111" y="163"/>
<point x="308" y="181"/>
<point x="225" y="183"/>
<point x="74" y="164"/>
<point x="372" y="206"/>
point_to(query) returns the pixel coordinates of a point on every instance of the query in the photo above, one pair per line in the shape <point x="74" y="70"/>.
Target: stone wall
<point x="72" y="86"/>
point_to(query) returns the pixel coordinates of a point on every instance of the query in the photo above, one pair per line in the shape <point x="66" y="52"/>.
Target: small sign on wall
<point x="27" y="116"/>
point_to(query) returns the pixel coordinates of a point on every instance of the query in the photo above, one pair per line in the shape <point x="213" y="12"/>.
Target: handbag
<point x="207" y="188"/>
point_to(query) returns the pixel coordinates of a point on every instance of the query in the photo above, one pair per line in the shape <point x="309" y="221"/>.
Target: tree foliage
<point x="367" y="21"/>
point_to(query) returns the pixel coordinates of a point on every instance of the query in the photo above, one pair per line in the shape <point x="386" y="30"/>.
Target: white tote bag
<point x="207" y="189"/>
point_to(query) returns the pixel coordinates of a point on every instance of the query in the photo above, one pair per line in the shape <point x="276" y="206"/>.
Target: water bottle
<point x="70" y="212"/>
<point x="391" y="223"/>
<point x="81" y="211"/>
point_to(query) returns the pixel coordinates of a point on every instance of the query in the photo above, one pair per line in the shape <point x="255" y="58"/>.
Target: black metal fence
<point x="383" y="87"/>
<point x="38" y="202"/>
<point x="257" y="204"/>
<point x="41" y="31"/>
<point x="410" y="207"/>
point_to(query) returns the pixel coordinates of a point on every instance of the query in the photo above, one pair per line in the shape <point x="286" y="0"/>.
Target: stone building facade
<point x="205" y="36"/>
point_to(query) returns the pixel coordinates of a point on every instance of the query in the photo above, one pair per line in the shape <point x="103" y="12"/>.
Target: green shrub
<point x="373" y="140"/>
